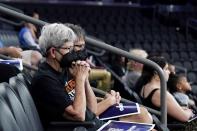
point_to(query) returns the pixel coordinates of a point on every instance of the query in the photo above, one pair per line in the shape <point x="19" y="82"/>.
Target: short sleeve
<point x="50" y="94"/>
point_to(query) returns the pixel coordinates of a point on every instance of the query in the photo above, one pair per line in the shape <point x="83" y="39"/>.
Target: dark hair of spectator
<point x="78" y="30"/>
<point x="148" y="72"/>
<point x="172" y="82"/>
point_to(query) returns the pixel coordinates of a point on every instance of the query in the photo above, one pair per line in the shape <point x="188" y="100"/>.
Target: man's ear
<point x="52" y="52"/>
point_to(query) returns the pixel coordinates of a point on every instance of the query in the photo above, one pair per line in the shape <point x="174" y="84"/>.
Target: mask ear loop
<point x="53" y="51"/>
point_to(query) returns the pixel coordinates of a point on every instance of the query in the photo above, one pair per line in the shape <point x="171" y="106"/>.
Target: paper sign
<point x="125" y="126"/>
<point x="16" y="62"/>
<point x="119" y="110"/>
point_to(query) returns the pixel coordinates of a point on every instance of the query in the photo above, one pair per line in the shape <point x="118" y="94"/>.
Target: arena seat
<point x="9" y="38"/>
<point x="22" y="108"/>
<point x="192" y="77"/>
<point x="24" y="96"/>
<point x="27" y="102"/>
<point x="187" y="65"/>
<point x="7" y="120"/>
<point x="15" y="106"/>
<point x="194" y="65"/>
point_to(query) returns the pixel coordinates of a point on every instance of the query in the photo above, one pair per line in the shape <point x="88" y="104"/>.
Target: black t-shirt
<point x="50" y="97"/>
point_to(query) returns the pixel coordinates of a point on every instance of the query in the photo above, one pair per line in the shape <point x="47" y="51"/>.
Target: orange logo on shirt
<point x="70" y="85"/>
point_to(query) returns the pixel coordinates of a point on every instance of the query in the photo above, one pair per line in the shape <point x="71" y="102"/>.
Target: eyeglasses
<point x="82" y="46"/>
<point x="66" y="48"/>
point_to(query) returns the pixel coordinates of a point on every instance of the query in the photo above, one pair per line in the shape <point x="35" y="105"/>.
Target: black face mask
<point x="67" y="59"/>
<point x="72" y="56"/>
<point x="82" y="54"/>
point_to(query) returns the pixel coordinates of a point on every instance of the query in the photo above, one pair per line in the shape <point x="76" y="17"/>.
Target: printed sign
<point x="125" y="126"/>
<point x="119" y="110"/>
<point x="16" y="62"/>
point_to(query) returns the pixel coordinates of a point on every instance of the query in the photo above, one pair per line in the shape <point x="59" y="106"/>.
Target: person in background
<point x="101" y="75"/>
<point x="11" y="51"/>
<point x="134" y="68"/>
<point x="119" y="65"/>
<point x="118" y="68"/>
<point x="179" y="86"/>
<point x="27" y="35"/>
<point x="112" y="97"/>
<point x="148" y="87"/>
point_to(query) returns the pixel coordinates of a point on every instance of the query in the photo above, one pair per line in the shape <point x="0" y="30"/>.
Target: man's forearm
<point x="90" y="97"/>
<point x="103" y="106"/>
<point x="80" y="96"/>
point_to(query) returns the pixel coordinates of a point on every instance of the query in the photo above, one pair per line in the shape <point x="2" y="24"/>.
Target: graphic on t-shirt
<point x="70" y="88"/>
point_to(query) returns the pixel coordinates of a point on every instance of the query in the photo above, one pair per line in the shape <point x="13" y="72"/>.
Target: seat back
<point x="7" y="120"/>
<point x="9" y="97"/>
<point x="27" y="102"/>
<point x="7" y="71"/>
<point x="17" y="84"/>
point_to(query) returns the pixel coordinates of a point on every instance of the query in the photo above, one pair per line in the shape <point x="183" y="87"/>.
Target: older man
<point x="48" y="85"/>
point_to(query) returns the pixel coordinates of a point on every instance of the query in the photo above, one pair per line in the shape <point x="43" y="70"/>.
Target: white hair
<point x="138" y="52"/>
<point x="55" y="35"/>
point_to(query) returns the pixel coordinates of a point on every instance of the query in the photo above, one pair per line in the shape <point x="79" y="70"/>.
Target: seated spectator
<point x="27" y="35"/>
<point x="134" y="68"/>
<point x="52" y="102"/>
<point x="101" y="75"/>
<point x="110" y="98"/>
<point x="48" y="85"/>
<point x="179" y="86"/>
<point x="148" y="87"/>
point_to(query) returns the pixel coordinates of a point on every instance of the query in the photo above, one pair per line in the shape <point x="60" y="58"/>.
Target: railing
<point x="112" y="49"/>
<point x="12" y="22"/>
<point x="191" y="23"/>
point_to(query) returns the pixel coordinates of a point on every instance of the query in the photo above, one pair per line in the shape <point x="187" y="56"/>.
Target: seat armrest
<point x="176" y="126"/>
<point x="72" y="124"/>
<point x="158" y="124"/>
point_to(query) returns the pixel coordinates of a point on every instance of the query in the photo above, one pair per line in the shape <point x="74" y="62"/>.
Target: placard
<point x="120" y="110"/>
<point x="125" y="126"/>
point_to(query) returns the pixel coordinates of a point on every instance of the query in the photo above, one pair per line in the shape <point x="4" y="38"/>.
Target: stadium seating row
<point x="18" y="111"/>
